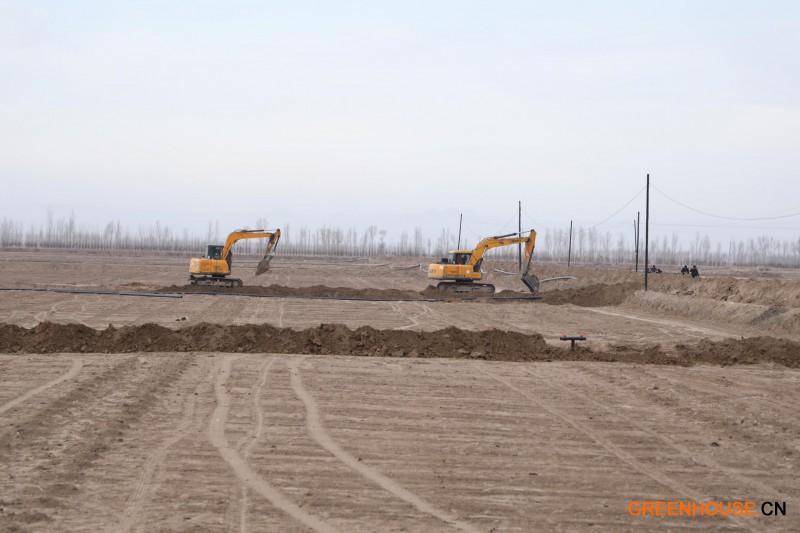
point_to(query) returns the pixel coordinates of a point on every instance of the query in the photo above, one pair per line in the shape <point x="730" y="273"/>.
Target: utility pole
<point x="646" y="232"/>
<point x="636" y="236"/>
<point x="569" y="251"/>
<point x="460" y="219"/>
<point x="519" y="228"/>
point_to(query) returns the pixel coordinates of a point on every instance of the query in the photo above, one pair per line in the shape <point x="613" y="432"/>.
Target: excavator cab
<point x="214" y="251"/>
<point x="458" y="258"/>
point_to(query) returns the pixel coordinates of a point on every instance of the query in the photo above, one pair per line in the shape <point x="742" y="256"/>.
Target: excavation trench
<point x="336" y="339"/>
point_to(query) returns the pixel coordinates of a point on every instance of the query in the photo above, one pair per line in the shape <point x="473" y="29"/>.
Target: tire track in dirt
<point x="604" y="443"/>
<point x="51" y="313"/>
<point x="696" y="456"/>
<point x="257" y="432"/>
<point x="712" y="391"/>
<point x="662" y="322"/>
<point x="405" y="314"/>
<point x="317" y="431"/>
<point x="420" y="315"/>
<point x="242" y="470"/>
<point x="40" y="423"/>
<point x="622" y="455"/>
<point x="138" y="500"/>
<point x="89" y="418"/>
<point x="77" y="364"/>
<point x="281" y="310"/>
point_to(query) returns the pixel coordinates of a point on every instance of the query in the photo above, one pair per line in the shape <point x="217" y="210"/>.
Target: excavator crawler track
<point x="208" y="281"/>
<point x="456" y="287"/>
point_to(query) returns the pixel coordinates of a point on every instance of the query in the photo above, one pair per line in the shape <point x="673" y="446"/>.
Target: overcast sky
<point x="401" y="113"/>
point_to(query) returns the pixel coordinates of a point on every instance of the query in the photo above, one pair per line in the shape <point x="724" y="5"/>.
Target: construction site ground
<point x="189" y="438"/>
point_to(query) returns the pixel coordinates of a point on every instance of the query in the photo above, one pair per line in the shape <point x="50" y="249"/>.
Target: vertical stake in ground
<point x="460" y="219"/>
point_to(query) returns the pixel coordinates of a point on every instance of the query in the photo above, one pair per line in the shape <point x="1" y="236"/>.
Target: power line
<point x="530" y="218"/>
<point x="477" y="235"/>
<point x="620" y="209"/>
<point x="494" y="224"/>
<point x="723" y="227"/>
<point x="668" y="197"/>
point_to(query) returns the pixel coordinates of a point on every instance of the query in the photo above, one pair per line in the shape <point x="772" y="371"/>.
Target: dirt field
<point x="276" y="429"/>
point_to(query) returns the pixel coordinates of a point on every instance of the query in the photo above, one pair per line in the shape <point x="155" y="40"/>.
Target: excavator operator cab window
<point x="458" y="259"/>
<point x="214" y="251"/>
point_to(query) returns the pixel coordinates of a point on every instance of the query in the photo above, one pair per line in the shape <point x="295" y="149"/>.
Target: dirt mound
<point x="49" y="337"/>
<point x="726" y="285"/>
<point x="592" y="296"/>
<point x="336" y="339"/>
<point x="755" y="318"/>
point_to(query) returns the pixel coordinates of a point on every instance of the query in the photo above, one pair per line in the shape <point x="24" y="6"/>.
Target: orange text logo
<point x="732" y="508"/>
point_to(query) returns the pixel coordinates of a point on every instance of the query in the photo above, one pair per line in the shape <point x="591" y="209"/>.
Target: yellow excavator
<point x="460" y="271"/>
<point x="215" y="267"/>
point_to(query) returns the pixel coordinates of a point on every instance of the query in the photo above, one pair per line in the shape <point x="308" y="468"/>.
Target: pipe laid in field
<point x="95" y="291"/>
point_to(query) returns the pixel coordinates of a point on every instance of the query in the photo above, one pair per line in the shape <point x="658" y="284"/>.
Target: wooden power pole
<point x="569" y="250"/>
<point x="636" y="236"/>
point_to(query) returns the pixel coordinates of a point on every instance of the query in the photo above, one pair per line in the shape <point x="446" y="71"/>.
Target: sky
<point x="402" y="114"/>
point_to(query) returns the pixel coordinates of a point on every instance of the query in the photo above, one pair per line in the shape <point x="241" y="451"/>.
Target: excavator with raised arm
<point x="215" y="268"/>
<point x="460" y="271"/>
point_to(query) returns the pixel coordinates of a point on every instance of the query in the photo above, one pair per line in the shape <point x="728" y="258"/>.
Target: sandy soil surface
<point x="184" y="432"/>
<point x="289" y="443"/>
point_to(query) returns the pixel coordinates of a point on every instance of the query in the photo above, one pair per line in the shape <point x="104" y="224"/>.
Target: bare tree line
<point x="589" y="245"/>
<point x="594" y="246"/>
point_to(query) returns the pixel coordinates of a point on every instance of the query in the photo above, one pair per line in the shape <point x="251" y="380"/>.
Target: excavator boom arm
<point x="505" y="240"/>
<point x="239" y="235"/>
<point x="530" y="281"/>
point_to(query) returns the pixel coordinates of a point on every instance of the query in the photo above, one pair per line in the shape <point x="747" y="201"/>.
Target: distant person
<point x="655" y="270"/>
<point x="685" y="270"/>
<point x="694" y="272"/>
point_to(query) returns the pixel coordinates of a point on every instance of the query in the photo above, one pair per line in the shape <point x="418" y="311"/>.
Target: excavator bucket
<point x="532" y="282"/>
<point x="263" y="265"/>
